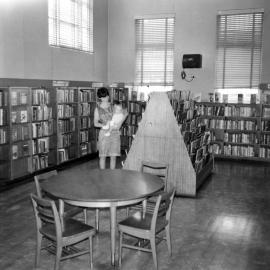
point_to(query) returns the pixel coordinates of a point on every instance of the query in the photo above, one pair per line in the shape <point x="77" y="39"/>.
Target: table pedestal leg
<point x="113" y="232"/>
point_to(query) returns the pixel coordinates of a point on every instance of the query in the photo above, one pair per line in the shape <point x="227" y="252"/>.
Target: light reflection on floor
<point x="232" y="227"/>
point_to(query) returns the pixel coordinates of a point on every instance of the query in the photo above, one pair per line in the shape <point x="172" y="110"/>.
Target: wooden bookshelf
<point x="87" y="132"/>
<point x="67" y="124"/>
<point x="41" y="128"/>
<point x="238" y="131"/>
<point x="20" y="131"/>
<point x="159" y="139"/>
<point x="4" y="134"/>
<point x="43" y="135"/>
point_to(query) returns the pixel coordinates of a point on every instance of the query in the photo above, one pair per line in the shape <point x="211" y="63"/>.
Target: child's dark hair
<point x="102" y="92"/>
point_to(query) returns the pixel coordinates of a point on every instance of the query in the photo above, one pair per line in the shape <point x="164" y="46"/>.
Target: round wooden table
<point x="96" y="188"/>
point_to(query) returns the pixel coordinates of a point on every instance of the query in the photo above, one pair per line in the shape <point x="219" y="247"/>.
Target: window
<point x="154" y="52"/>
<point x="239" y="48"/>
<point x="71" y="24"/>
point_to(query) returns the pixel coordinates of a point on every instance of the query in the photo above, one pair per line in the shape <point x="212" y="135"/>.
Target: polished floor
<point x="227" y="227"/>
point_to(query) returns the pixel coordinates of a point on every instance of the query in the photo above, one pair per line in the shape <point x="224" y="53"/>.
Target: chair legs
<point x="85" y="215"/>
<point x="97" y="219"/>
<point x="58" y="256"/>
<point x="168" y="239"/>
<point x="38" y="249"/>
<point x="120" y="249"/>
<point x="153" y="248"/>
<point x="91" y="251"/>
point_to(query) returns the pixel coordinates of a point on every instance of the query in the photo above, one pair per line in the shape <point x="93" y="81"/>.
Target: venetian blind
<point x="71" y="24"/>
<point x="239" y="47"/>
<point x="154" y="51"/>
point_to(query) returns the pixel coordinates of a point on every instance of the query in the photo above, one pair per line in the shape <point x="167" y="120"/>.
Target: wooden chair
<point x="70" y="210"/>
<point x="61" y="233"/>
<point x="158" y="169"/>
<point x="148" y="226"/>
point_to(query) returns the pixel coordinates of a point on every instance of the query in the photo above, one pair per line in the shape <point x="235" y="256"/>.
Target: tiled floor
<point x="225" y="228"/>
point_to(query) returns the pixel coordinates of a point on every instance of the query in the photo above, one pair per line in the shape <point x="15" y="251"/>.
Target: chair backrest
<point x="46" y="213"/>
<point x="163" y="208"/>
<point x="39" y="178"/>
<point x="158" y="169"/>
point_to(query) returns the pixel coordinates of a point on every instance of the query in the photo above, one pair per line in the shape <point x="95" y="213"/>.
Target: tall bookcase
<point x="4" y="134"/>
<point x="87" y="131"/>
<point x="43" y="137"/>
<point x="238" y="131"/>
<point x="194" y="132"/>
<point x="67" y="124"/>
<point x="20" y="131"/>
<point x="41" y="128"/>
<point x="159" y="139"/>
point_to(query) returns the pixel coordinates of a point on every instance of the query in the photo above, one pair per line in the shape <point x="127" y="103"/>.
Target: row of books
<point x="265" y="125"/>
<point x="229" y="111"/>
<point x="85" y="109"/>
<point x="264" y="152"/>
<point x="230" y="124"/>
<point x="3" y="98"/>
<point x="20" y="132"/>
<point x="135" y="107"/>
<point x="85" y="122"/>
<point x="239" y="151"/>
<point x="40" y="96"/>
<point x="21" y="149"/>
<point x="215" y="149"/>
<point x="63" y="155"/>
<point x="240" y="137"/>
<point x="40" y="113"/>
<point x="266" y="112"/>
<point x="265" y="139"/>
<point x="66" y="125"/>
<point x="65" y="95"/>
<point x="66" y="110"/>
<point x="40" y="146"/>
<point x="3" y="135"/>
<point x="129" y="130"/>
<point x="42" y="129"/>
<point x="84" y="136"/>
<point x="40" y="162"/>
<point x="20" y="116"/>
<point x="19" y="97"/>
<point x="120" y="94"/>
<point x="133" y="119"/>
<point x="65" y="140"/>
<point x="87" y="95"/>
<point x="3" y="117"/>
<point x="87" y="148"/>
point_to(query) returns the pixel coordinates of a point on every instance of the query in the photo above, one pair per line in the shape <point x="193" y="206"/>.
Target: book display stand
<point x="159" y="139"/>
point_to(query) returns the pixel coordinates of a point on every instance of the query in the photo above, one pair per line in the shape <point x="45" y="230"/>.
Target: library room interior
<point x="135" y="134"/>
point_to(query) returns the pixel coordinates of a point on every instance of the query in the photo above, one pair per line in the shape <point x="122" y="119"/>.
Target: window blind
<point x="154" y="51"/>
<point x="239" y="47"/>
<point x="71" y="24"/>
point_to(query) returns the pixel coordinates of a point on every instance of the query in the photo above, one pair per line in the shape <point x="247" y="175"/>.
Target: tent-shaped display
<point x="159" y="139"/>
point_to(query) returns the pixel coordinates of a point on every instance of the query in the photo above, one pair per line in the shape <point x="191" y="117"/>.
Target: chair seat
<point x="143" y="222"/>
<point x="71" y="227"/>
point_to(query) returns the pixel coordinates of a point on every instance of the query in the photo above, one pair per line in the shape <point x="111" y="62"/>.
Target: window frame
<point x="141" y="47"/>
<point x="221" y="82"/>
<point x="82" y="28"/>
